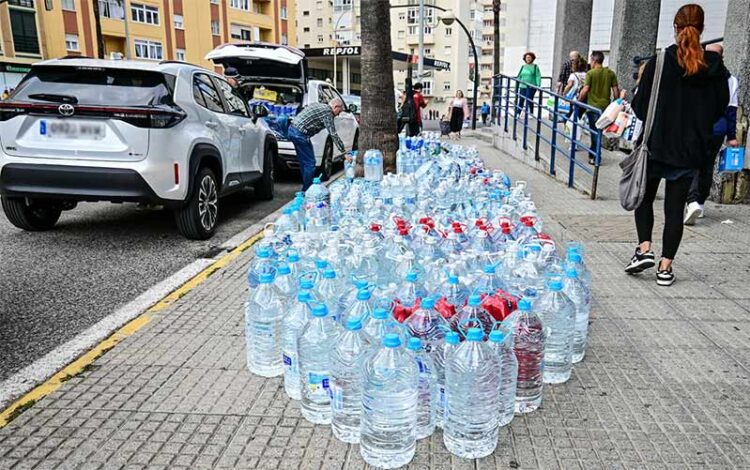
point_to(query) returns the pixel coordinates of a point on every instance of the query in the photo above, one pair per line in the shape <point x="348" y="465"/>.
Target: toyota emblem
<point x="66" y="109"/>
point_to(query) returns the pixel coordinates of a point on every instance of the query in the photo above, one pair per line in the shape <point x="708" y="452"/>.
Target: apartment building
<point x="139" y="29"/>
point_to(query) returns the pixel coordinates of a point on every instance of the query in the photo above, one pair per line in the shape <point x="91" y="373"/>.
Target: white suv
<point x="167" y="133"/>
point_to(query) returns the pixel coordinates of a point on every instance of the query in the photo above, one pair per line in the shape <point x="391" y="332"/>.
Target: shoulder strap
<point x="650" y="116"/>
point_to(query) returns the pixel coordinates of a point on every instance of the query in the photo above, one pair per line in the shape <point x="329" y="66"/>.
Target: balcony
<point x="414" y="39"/>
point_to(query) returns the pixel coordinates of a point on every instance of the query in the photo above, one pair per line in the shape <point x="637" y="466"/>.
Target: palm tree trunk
<point x="496" y="39"/>
<point x="98" y="28"/>
<point x="378" y="129"/>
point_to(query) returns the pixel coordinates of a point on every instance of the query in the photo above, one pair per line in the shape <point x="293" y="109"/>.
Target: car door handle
<point x="212" y="124"/>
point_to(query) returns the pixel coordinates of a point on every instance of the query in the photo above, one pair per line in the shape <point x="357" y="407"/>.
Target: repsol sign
<point x="352" y="50"/>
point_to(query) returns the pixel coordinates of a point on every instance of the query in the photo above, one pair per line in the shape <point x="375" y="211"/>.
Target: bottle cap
<point x="391" y="340"/>
<point x="304" y="296"/>
<point x="360" y="283"/>
<point x="475" y="334"/>
<point x="321" y="264"/>
<point x="497" y="336"/>
<point x="263" y="252"/>
<point x="329" y="274"/>
<point x="571" y="272"/>
<point x="354" y="324"/>
<point x="524" y="305"/>
<point x="380" y="314"/>
<point x="428" y="303"/>
<point x="452" y="338"/>
<point x="316" y="180"/>
<point x="266" y="278"/>
<point x="319" y="310"/>
<point x="293" y="257"/>
<point x="475" y="300"/>
<point x="453" y="280"/>
<point x="556" y="285"/>
<point x="284" y="269"/>
<point x="306" y="284"/>
<point x="414" y="344"/>
<point x="574" y="257"/>
<point x="489" y="269"/>
<point x="363" y="294"/>
<point x="411" y="276"/>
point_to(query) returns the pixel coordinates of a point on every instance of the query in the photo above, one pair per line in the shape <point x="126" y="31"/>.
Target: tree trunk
<point x="98" y="28"/>
<point x="496" y="38"/>
<point x="378" y="130"/>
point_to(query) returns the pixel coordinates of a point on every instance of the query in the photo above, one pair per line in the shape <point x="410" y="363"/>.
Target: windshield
<point x="94" y="86"/>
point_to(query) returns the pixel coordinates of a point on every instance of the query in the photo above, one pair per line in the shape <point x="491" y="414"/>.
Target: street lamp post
<point x="448" y="19"/>
<point x="336" y="44"/>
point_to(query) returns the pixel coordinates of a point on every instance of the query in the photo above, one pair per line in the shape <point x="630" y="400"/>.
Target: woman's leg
<point x="644" y="215"/>
<point x="675" y="197"/>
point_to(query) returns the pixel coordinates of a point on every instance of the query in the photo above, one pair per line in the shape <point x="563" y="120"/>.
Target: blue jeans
<point x="305" y="155"/>
<point x="525" y="97"/>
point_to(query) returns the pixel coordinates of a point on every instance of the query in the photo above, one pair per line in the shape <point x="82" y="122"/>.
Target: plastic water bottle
<point x="528" y="345"/>
<point x="427" y="324"/>
<point x="501" y="341"/>
<point x="263" y="329"/>
<point x="388" y="432"/>
<point x="261" y="264"/>
<point x="291" y="327"/>
<point x="317" y="207"/>
<point x="314" y="346"/>
<point x="285" y="284"/>
<point x="557" y="313"/>
<point x="380" y="324"/>
<point x="474" y="315"/>
<point x="346" y="382"/>
<point x="579" y="294"/>
<point x="576" y="259"/>
<point x="373" y="163"/>
<point x="472" y="380"/>
<point x="361" y="308"/>
<point x="328" y="290"/>
<point x="443" y="352"/>
<point x="411" y="291"/>
<point x="349" y="167"/>
<point x="489" y="282"/>
<point x="427" y="389"/>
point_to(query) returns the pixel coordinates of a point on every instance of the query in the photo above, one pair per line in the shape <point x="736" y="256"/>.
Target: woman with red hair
<point x="693" y="95"/>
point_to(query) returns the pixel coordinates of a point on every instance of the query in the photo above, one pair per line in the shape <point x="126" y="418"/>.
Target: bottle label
<point x="441" y="397"/>
<point x="337" y="397"/>
<point x="319" y="383"/>
<point x="290" y="362"/>
<point x="263" y="329"/>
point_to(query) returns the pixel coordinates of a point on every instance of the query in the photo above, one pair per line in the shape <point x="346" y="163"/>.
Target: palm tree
<point x="378" y="129"/>
<point x="98" y="28"/>
<point x="495" y="50"/>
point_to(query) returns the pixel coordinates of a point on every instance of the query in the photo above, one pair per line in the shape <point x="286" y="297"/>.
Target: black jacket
<point x="686" y="111"/>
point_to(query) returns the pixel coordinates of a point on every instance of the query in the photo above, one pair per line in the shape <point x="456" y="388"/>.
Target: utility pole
<point x="420" y="64"/>
<point x="98" y="27"/>
<point x="127" y="30"/>
<point x="495" y="51"/>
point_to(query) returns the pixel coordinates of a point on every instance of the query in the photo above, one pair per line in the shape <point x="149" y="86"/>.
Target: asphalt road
<point x="55" y="284"/>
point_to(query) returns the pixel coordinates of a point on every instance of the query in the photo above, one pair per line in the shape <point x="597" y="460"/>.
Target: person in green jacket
<point x="528" y="75"/>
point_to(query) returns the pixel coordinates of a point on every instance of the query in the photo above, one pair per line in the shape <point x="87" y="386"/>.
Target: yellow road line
<point x="83" y="362"/>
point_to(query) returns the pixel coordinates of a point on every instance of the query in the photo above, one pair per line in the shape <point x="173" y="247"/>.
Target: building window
<point x="318" y="5"/>
<point x="413" y="16"/>
<point x="413" y="30"/>
<point x="448" y="32"/>
<point x="427" y="87"/>
<point x="305" y="30"/>
<point x="306" y="46"/>
<point x="148" y="49"/>
<point x="69" y="5"/>
<point x="215" y="2"/>
<point x="242" y="32"/>
<point x="179" y="54"/>
<point x="320" y="22"/>
<point x="284" y="39"/>
<point x="144" y="14"/>
<point x="22" y="3"/>
<point x="179" y="22"/>
<point x="240" y="4"/>
<point x="448" y="50"/>
<point x="427" y="52"/>
<point x="23" y="25"/>
<point x="215" y="27"/>
<point x="305" y="13"/>
<point x="446" y="86"/>
<point x="401" y="16"/>
<point x="283" y="13"/>
<point x="71" y="42"/>
<point x="320" y="38"/>
<point x="401" y="34"/>
<point x="112" y="9"/>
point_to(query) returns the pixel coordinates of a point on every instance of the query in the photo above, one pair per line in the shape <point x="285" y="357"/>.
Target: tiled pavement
<point x="664" y="383"/>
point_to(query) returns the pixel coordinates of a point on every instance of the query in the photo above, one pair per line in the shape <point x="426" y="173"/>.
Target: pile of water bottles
<point x="397" y="304"/>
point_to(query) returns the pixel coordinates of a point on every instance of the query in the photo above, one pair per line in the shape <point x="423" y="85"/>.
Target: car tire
<point x="326" y="164"/>
<point x="198" y="218"/>
<point x="264" y="188"/>
<point x="32" y="215"/>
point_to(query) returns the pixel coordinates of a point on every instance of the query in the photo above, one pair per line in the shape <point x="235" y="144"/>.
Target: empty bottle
<point x="380" y="324"/>
<point x="575" y="257"/>
<point x="388" y="432"/>
<point x="328" y="290"/>
<point x="579" y="294"/>
<point x="261" y="264"/>
<point x="346" y="382"/>
<point x="427" y="324"/>
<point x="263" y="329"/>
<point x="440" y="356"/>
<point x="501" y="341"/>
<point x="314" y="345"/>
<point x="317" y="208"/>
<point x="489" y="282"/>
<point x="528" y="344"/>
<point x="454" y="293"/>
<point x="361" y="308"/>
<point x="474" y="315"/>
<point x="411" y="290"/>
<point x="291" y="326"/>
<point x="427" y="403"/>
<point x="373" y="165"/>
<point x="285" y="284"/>
<point x="472" y="381"/>
<point x="557" y="313"/>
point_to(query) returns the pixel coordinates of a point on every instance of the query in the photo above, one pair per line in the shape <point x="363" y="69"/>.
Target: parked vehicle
<point x="167" y="133"/>
<point x="277" y="75"/>
<point x="354" y="105"/>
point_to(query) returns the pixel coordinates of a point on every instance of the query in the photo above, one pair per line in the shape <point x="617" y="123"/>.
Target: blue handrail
<point x="546" y="123"/>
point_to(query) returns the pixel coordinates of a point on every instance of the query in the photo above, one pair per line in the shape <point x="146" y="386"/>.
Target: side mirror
<point x="259" y="111"/>
<point x="353" y="108"/>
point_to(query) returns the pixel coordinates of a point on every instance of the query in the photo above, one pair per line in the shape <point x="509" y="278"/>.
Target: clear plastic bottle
<point x="441" y="355"/>
<point x="579" y="294"/>
<point x="427" y="389"/>
<point x="360" y="309"/>
<point x="373" y="165"/>
<point x="346" y="382"/>
<point x="489" y="281"/>
<point x="291" y="326"/>
<point x="263" y="329"/>
<point x="314" y="346"/>
<point x="411" y="290"/>
<point x="474" y="315"/>
<point x="455" y="293"/>
<point x="317" y="207"/>
<point x="261" y="264"/>
<point x="388" y="433"/>
<point x="501" y="341"/>
<point x="285" y="284"/>
<point x="528" y="345"/>
<point x="328" y="290"/>
<point x="380" y="324"/>
<point x="575" y="257"/>
<point x="472" y="380"/>
<point x="557" y="313"/>
<point x="427" y="324"/>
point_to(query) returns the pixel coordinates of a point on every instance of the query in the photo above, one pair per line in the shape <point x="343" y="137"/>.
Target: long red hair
<point x="688" y="22"/>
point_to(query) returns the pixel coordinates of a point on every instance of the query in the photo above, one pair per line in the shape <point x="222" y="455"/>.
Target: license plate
<point x="71" y="130"/>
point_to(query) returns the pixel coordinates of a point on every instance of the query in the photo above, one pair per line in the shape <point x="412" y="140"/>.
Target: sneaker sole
<point x="640" y="266"/>
<point x="664" y="282"/>
<point x="691" y="217"/>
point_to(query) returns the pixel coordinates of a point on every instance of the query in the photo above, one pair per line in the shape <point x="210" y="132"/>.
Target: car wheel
<point x="29" y="214"/>
<point x="264" y="187"/>
<point x="198" y="218"/>
<point x="326" y="166"/>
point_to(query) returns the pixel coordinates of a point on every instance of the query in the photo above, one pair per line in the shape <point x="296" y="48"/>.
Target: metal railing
<point x="552" y="119"/>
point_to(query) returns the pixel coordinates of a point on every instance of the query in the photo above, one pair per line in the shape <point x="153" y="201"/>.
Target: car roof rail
<point x="180" y="62"/>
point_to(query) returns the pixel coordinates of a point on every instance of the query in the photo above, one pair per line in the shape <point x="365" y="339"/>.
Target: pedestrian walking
<point x="457" y="110"/>
<point x="575" y="81"/>
<point x="529" y="74"/>
<point x="485" y="112"/>
<point x="693" y="95"/>
<point x="566" y="69"/>
<point x="311" y="120"/>
<point x="599" y="89"/>
<point x="419" y="104"/>
<point x="725" y="129"/>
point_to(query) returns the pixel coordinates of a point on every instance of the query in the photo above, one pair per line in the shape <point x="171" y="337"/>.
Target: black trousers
<point x="675" y="197"/>
<point x="701" y="187"/>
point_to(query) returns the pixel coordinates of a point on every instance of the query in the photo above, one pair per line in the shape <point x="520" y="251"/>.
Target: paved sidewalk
<point x="664" y="383"/>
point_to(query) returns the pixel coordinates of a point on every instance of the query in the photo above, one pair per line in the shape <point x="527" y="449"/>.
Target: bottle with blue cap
<point x="314" y="347"/>
<point x="292" y="324"/>
<point x="557" y="313"/>
<point x="388" y="432"/>
<point x="263" y="329"/>
<point x="580" y="295"/>
<point x="472" y="381"/>
<point x="528" y="344"/>
<point x="347" y="357"/>
<point x="428" y="396"/>
<point x="411" y="290"/>
<point x="306" y="281"/>
<point x="328" y="290"/>
<point x="473" y="314"/>
<point x="454" y="292"/>
<point x="361" y="308"/>
<point x="299" y="205"/>
<point x="380" y="324"/>
<point x="317" y="207"/>
<point x="285" y="284"/>
<point x="501" y="341"/>
<point x="575" y="258"/>
<point x="262" y="263"/>
<point x="287" y="224"/>
<point x="440" y="357"/>
<point x="489" y="281"/>
<point x="427" y="324"/>
<point x="527" y="280"/>
<point x="349" y="296"/>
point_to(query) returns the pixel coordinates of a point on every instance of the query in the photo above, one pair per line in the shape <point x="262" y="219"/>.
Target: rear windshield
<point x="95" y="86"/>
<point x="265" y="68"/>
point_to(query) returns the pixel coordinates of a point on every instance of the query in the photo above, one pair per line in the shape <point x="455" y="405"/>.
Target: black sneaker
<point x="665" y="277"/>
<point x="640" y="262"/>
